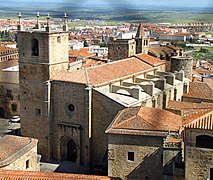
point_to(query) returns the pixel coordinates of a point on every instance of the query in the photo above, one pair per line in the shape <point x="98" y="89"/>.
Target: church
<point x="68" y="107"/>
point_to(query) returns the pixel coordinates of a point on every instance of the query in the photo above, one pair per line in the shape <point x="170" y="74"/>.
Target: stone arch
<point x="2" y="112"/>
<point x="35" y="47"/>
<point x="204" y="141"/>
<point x="69" y="149"/>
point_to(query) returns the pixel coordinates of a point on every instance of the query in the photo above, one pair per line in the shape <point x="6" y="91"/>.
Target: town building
<point x="9" y="83"/>
<point x="199" y="92"/>
<point x="124" y="48"/>
<point x="7" y="53"/>
<point x="19" y="153"/>
<point x="135" y="141"/>
<point x="198" y="153"/>
<point x="71" y="107"/>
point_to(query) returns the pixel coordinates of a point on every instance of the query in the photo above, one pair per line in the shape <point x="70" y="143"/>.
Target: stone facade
<point x="70" y="124"/>
<point x="121" y="49"/>
<point x="104" y="110"/>
<point x="198" y="154"/>
<point x="9" y="92"/>
<point x="71" y="108"/>
<point x="182" y="63"/>
<point x="27" y="162"/>
<point x="41" y="55"/>
<point x="124" y="48"/>
<point x="146" y="151"/>
<point x="19" y="153"/>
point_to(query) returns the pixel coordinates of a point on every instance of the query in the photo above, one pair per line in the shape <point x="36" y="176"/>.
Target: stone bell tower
<point x="142" y="41"/>
<point x="41" y="54"/>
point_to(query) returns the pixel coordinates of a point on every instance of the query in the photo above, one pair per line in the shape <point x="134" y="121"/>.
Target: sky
<point x="175" y="3"/>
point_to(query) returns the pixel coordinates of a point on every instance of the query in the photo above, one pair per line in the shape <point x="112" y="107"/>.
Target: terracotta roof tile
<point x="202" y="120"/>
<point x="149" y="59"/>
<point x="7" y="50"/>
<point x="12" y="147"/>
<point x="199" y="90"/>
<point x="202" y="71"/>
<point x="28" y="175"/>
<point x="145" y="119"/>
<point x="84" y="52"/>
<point x="188" y="106"/>
<point x="105" y="73"/>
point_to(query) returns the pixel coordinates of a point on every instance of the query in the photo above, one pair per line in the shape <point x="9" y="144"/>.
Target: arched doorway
<point x="71" y="151"/>
<point x="2" y="113"/>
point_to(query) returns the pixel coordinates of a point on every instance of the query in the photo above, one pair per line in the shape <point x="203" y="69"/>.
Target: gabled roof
<point x="13" y="147"/>
<point x="150" y="59"/>
<point x="139" y="120"/>
<point x="202" y="120"/>
<point x="140" y="32"/>
<point x="200" y="90"/>
<point x="106" y="73"/>
<point x="189" y="108"/>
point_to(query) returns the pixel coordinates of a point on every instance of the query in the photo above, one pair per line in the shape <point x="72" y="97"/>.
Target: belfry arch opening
<point x="204" y="141"/>
<point x="35" y="47"/>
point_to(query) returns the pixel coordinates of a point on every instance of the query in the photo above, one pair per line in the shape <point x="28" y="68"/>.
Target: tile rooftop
<point x="149" y="59"/>
<point x="28" y="175"/>
<point x="105" y="73"/>
<point x="199" y="90"/>
<point x="12" y="147"/>
<point x="145" y="119"/>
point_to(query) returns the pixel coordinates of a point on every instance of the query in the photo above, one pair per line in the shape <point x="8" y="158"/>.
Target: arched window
<point x="58" y="39"/>
<point x="204" y="141"/>
<point x="35" y="47"/>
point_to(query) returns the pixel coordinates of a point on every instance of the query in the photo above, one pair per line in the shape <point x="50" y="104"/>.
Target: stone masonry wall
<point x="20" y="163"/>
<point x="181" y="63"/>
<point x="198" y="161"/>
<point x="147" y="163"/>
<point x="103" y="112"/>
<point x="121" y="49"/>
<point x="73" y="125"/>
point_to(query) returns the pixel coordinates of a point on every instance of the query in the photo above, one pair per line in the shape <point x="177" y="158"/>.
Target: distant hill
<point x="110" y="12"/>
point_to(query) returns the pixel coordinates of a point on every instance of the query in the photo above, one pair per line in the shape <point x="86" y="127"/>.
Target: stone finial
<point x="19" y="27"/>
<point x="37" y="24"/>
<point x="65" y="26"/>
<point x="48" y="28"/>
